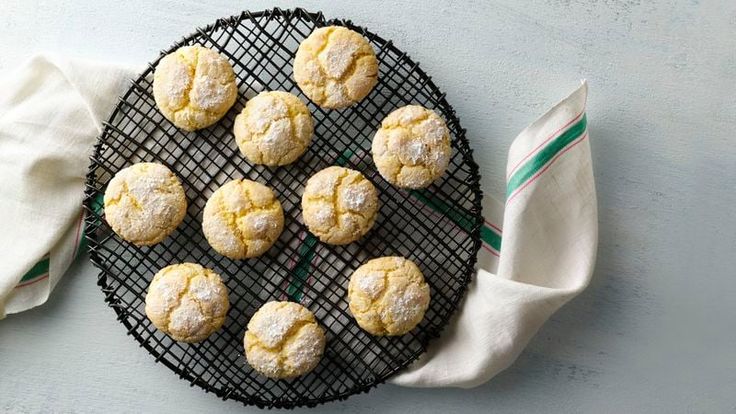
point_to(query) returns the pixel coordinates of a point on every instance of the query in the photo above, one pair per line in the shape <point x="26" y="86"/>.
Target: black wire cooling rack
<point x="437" y="227"/>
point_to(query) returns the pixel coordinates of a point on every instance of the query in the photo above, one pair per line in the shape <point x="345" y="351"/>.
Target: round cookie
<point x="339" y="205"/>
<point x="412" y="147"/>
<point x="187" y="302"/>
<point x="242" y="219"/>
<point x="194" y="87"/>
<point x="335" y="67"/>
<point x="144" y="203"/>
<point x="283" y="340"/>
<point x="274" y="128"/>
<point x="388" y="296"/>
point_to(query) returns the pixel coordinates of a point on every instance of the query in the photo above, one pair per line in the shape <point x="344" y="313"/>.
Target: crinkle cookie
<point x="194" y="87"/>
<point x="187" y="302"/>
<point x="242" y="219"/>
<point x="412" y="147"/>
<point x="339" y="205"/>
<point x="388" y="296"/>
<point x="144" y="203"/>
<point x="274" y="128"/>
<point x="283" y="340"/>
<point x="335" y="67"/>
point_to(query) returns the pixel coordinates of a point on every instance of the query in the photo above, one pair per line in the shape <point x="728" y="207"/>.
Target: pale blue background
<point x="655" y="331"/>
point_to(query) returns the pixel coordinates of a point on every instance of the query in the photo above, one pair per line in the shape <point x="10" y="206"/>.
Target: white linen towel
<point x="51" y="111"/>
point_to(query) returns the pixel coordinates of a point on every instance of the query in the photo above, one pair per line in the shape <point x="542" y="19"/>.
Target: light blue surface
<point x="655" y="330"/>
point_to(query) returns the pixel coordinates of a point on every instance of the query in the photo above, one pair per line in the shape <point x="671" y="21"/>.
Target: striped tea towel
<point x="50" y="116"/>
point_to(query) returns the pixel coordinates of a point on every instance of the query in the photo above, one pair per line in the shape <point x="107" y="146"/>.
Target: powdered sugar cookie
<point x="274" y="128"/>
<point x="412" y="147"/>
<point x="187" y="301"/>
<point x="242" y="219"/>
<point x="339" y="205"/>
<point x="144" y="203"/>
<point x="283" y="340"/>
<point x="194" y="87"/>
<point x="335" y="67"/>
<point x="388" y="296"/>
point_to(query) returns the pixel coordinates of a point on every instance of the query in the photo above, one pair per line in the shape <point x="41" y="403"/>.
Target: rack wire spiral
<point x="437" y="227"/>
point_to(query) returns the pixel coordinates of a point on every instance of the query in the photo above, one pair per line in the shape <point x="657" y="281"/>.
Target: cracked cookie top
<point x="274" y="128"/>
<point x="144" y="203"/>
<point x="194" y="87"/>
<point x="412" y="147"/>
<point x="335" y="67"/>
<point x="283" y="340"/>
<point x="242" y="219"/>
<point x="388" y="295"/>
<point x="187" y="302"/>
<point x="339" y="205"/>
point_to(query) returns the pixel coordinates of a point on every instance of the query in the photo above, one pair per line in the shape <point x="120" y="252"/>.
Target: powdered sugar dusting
<point x="264" y="109"/>
<point x="337" y="57"/>
<point x="271" y="328"/>
<point x="415" y="151"/>
<point x="278" y="137"/>
<point x="187" y="319"/>
<point x="259" y="222"/>
<point x="354" y="197"/>
<point x="404" y="307"/>
<point x="371" y="284"/>
<point x="325" y="216"/>
<point x="207" y="93"/>
<point x="219" y="233"/>
<point x="168" y="293"/>
<point x="178" y="83"/>
<point x="206" y="292"/>
<point x="304" y="352"/>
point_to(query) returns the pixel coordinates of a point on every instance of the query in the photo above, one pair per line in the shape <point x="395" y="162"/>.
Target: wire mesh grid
<point x="437" y="227"/>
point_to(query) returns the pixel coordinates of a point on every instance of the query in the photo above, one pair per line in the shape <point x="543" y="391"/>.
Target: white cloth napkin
<point x="51" y="111"/>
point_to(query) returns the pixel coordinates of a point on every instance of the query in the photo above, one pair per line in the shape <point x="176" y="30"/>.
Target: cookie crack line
<point x="232" y="221"/>
<point x="194" y="76"/>
<point x="380" y="299"/>
<point x="423" y="166"/>
<point x="336" y="193"/>
<point x="292" y="131"/>
<point x="179" y="297"/>
<point x="375" y="302"/>
<point x="190" y="82"/>
<point x="330" y="30"/>
<point x="392" y="126"/>
<point x="291" y="338"/>
<point x="288" y="336"/>
<point x="350" y="71"/>
<point x="125" y="192"/>
<point x="190" y="87"/>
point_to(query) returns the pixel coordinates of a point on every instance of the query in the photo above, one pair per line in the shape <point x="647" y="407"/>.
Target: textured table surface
<point x="655" y="331"/>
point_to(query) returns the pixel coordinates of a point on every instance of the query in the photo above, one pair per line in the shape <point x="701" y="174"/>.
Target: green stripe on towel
<point x="540" y="159"/>
<point x="39" y="269"/>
